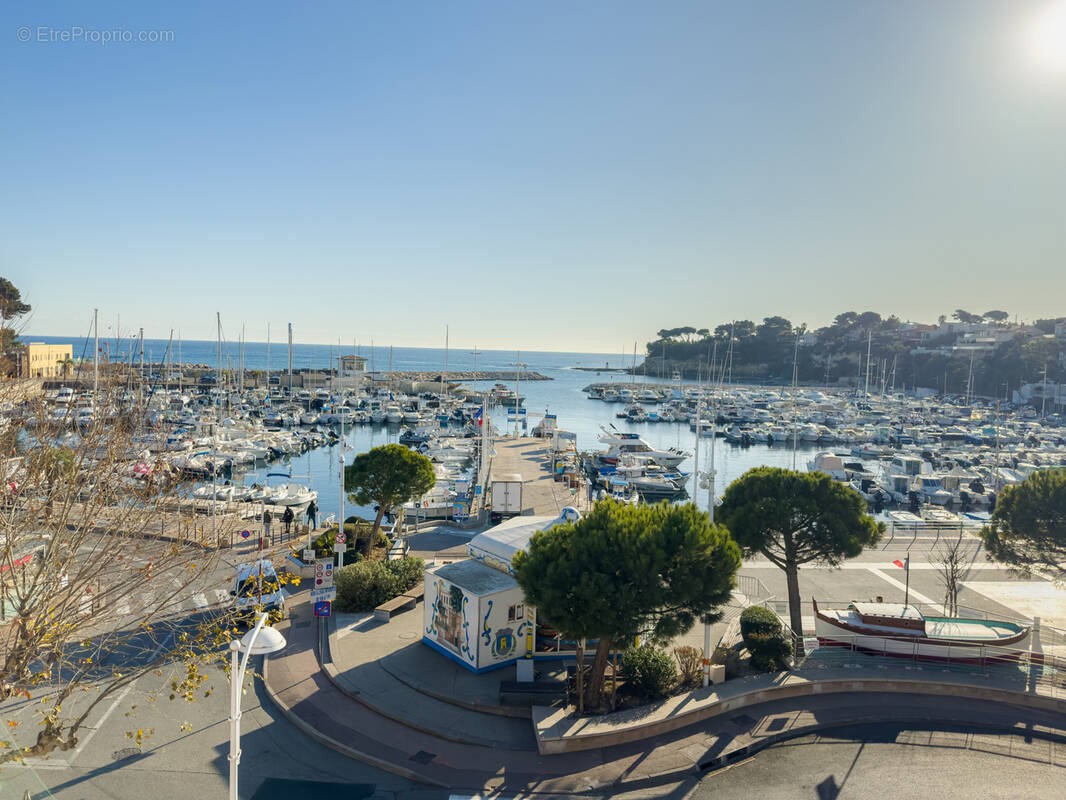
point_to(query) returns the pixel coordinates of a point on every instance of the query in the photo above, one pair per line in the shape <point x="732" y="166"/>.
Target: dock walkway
<point x="531" y="458"/>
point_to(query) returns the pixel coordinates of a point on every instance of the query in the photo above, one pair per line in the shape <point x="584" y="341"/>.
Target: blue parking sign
<point x="323" y="608"/>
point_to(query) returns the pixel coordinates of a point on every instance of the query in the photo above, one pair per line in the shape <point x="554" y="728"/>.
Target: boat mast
<point x="440" y="395"/>
<point x="869" y="343"/>
<point x="96" y="355"/>
<point x="1043" y="395"/>
<point x="214" y="431"/>
<point x="710" y="501"/>
<point x="140" y="390"/>
<point x="290" y="361"/>
<point x="170" y="360"/>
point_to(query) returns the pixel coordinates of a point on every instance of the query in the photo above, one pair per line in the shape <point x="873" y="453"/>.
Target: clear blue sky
<point x="542" y="175"/>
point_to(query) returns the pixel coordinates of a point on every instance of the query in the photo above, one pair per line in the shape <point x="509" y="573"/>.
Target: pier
<point x="542" y="495"/>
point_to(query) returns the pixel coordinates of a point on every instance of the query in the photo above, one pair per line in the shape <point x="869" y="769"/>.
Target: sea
<point x="562" y="395"/>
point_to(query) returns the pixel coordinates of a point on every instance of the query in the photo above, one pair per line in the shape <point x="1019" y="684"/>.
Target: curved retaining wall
<point x="558" y="732"/>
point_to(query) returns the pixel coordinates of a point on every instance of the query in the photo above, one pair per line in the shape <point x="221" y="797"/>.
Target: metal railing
<point x="903" y="536"/>
<point x="1012" y="669"/>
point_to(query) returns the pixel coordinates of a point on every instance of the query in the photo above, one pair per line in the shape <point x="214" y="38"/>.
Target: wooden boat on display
<point x="895" y="629"/>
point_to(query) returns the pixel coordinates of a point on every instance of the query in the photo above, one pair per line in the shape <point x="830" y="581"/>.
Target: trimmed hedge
<point x="759" y="619"/>
<point x="649" y="670"/>
<point x="367" y="584"/>
<point x="765" y="638"/>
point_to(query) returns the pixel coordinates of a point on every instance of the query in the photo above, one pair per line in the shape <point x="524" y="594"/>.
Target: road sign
<point x="245" y="534"/>
<point x="341" y="537"/>
<point x="324" y="594"/>
<point x="323" y="608"/>
<point x="323" y="573"/>
<point x="309" y="556"/>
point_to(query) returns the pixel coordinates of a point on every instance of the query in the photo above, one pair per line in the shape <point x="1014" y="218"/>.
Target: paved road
<point x="184" y="753"/>
<point x="887" y="761"/>
<point x="182" y="764"/>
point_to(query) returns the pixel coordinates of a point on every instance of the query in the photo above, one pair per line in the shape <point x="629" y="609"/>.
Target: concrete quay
<point x="373" y="692"/>
<point x="529" y="457"/>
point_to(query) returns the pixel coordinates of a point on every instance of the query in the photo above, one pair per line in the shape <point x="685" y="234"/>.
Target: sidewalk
<point x="459" y="748"/>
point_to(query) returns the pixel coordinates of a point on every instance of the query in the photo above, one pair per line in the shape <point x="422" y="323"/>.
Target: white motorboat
<point x="832" y="465"/>
<point x="629" y="445"/>
<point x="931" y="490"/>
<point x="293" y="494"/>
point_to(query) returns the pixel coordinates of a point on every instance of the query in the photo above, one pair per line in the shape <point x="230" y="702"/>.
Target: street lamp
<point x="251" y="644"/>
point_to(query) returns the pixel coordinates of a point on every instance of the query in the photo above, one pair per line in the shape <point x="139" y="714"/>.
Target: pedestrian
<point x="312" y="513"/>
<point x="267" y="519"/>
<point x="287" y="518"/>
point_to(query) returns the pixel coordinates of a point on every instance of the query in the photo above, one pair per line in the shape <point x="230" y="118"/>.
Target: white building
<point x="475" y="611"/>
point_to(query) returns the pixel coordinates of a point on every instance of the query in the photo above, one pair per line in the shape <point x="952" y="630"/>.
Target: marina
<point x="920" y="462"/>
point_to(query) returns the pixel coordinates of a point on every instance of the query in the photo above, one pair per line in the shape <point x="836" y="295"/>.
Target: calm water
<point x="561" y="396"/>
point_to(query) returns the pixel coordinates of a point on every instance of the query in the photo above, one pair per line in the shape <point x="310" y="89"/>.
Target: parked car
<point x="257" y="587"/>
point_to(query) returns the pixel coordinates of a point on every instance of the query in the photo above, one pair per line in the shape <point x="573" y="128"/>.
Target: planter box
<point x="717" y="673"/>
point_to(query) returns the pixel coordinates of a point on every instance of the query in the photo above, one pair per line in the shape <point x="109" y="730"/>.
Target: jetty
<point x="531" y="458"/>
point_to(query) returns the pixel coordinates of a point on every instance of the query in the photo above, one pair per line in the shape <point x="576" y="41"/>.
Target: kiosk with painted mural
<point x="475" y="612"/>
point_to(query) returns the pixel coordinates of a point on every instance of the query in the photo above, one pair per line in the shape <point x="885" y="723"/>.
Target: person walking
<point x="267" y="519"/>
<point x="312" y="515"/>
<point x="287" y="518"/>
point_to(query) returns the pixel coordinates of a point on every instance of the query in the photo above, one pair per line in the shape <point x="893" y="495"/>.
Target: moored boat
<point x="895" y="629"/>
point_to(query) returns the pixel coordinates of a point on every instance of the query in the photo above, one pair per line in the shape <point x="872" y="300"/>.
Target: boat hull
<point x="831" y="633"/>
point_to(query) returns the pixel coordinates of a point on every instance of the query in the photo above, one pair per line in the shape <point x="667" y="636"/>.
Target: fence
<point x="1012" y="668"/>
<point x="1037" y="665"/>
<point x="905" y="535"/>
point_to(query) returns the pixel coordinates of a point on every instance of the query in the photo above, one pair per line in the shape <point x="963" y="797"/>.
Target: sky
<point x="541" y="175"/>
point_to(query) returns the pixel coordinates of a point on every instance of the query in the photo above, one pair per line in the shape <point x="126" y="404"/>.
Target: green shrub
<point x="765" y="638"/>
<point x="649" y="670"/>
<point x="324" y="543"/>
<point x="364" y="585"/>
<point x="758" y="619"/>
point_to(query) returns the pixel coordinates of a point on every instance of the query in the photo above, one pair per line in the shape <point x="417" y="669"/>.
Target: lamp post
<point x="251" y="645"/>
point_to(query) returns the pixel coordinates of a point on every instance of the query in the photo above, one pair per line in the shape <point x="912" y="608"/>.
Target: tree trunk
<point x="599" y="670"/>
<point x="374" y="530"/>
<point x="795" y="608"/>
<point x="579" y="678"/>
<point x="614" y="681"/>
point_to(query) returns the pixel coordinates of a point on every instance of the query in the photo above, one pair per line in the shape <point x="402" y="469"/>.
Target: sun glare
<point x="1046" y="39"/>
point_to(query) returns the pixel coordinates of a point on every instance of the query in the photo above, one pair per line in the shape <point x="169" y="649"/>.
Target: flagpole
<point x="906" y="581"/>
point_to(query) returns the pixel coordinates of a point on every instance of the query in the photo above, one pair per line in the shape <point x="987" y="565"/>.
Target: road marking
<point x="876" y="565"/>
<point x="222" y="595"/>
<point x="123" y="609"/>
<point x="916" y="595"/>
<point x="199" y="601"/>
<point x="84" y="740"/>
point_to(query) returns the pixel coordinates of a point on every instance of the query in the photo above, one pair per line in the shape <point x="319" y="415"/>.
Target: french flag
<point x="477" y="416"/>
